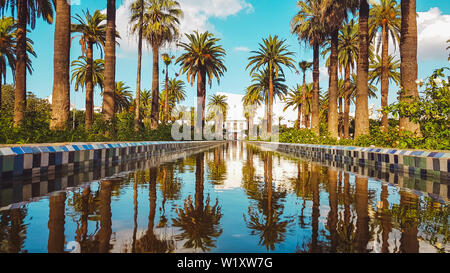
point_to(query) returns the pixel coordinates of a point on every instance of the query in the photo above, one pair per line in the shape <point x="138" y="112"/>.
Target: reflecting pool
<point x="232" y="198"/>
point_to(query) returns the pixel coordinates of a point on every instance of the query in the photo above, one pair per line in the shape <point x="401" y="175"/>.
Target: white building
<point x="236" y="124"/>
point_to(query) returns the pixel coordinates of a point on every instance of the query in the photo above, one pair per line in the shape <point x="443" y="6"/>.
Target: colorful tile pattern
<point x="427" y="165"/>
<point x="38" y="160"/>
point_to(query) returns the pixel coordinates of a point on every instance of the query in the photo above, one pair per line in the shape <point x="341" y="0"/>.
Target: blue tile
<point x="17" y="150"/>
<point x="27" y="150"/>
<point x="44" y="149"/>
<point x="51" y="149"/>
<point x="64" y="148"/>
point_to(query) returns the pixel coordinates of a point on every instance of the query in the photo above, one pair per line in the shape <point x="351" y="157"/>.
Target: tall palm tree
<point x="261" y="85"/>
<point x="377" y="68"/>
<point x="27" y="12"/>
<point x="362" y="100"/>
<point x="308" y="25"/>
<point x="347" y="56"/>
<point x="160" y="27"/>
<point x="167" y="61"/>
<point x="385" y="16"/>
<point x="273" y="54"/>
<point x="335" y="13"/>
<point x="7" y="49"/>
<point x="108" y="107"/>
<point x="61" y="71"/>
<point x="203" y="59"/>
<point x="408" y="53"/>
<point x="218" y="103"/>
<point x="137" y="23"/>
<point x="84" y="74"/>
<point x="304" y="66"/>
<point x="92" y="31"/>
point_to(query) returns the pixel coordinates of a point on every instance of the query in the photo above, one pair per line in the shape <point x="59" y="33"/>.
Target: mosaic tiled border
<point x="19" y="191"/>
<point x="35" y="161"/>
<point x="424" y="164"/>
<point x="433" y="188"/>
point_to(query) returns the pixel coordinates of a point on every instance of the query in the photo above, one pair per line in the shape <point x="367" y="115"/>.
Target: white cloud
<point x="196" y="17"/>
<point x="433" y="32"/>
<point x="242" y="49"/>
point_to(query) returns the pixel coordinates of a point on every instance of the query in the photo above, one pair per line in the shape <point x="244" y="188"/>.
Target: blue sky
<point x="241" y="24"/>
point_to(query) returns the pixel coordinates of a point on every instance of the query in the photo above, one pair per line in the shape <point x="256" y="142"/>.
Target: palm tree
<point x="273" y="55"/>
<point x="385" y="16"/>
<point x="27" y="12"/>
<point x="123" y="97"/>
<point x="7" y="49"/>
<point x="92" y="32"/>
<point x="304" y="65"/>
<point x="108" y="107"/>
<point x="377" y="69"/>
<point x="203" y="59"/>
<point x="83" y="76"/>
<point x="175" y="94"/>
<point x="137" y="23"/>
<point x="218" y="103"/>
<point x="251" y="100"/>
<point x="160" y="26"/>
<point x="308" y="25"/>
<point x="362" y="100"/>
<point x="335" y="13"/>
<point x="61" y="71"/>
<point x="167" y="61"/>
<point x="261" y="84"/>
<point x="408" y="54"/>
<point x="347" y="55"/>
<point x="295" y="99"/>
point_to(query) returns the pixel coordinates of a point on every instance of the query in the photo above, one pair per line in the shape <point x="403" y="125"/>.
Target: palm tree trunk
<point x="315" y="123"/>
<point x="137" y="115"/>
<point x="299" y="116"/>
<point x="409" y="242"/>
<point x="270" y="106"/>
<point x="333" y="213"/>
<point x="347" y="103"/>
<point x="105" y="232"/>
<point x="166" y="97"/>
<point x="408" y="53"/>
<point x="333" y="90"/>
<point x="305" y="123"/>
<point x="384" y="78"/>
<point x="56" y="222"/>
<point x="20" y="96"/>
<point x="199" y="181"/>
<point x="155" y="89"/>
<point x="200" y="105"/>
<point x="362" y="212"/>
<point x="61" y="71"/>
<point x="110" y="62"/>
<point x="89" y="114"/>
<point x="362" y="83"/>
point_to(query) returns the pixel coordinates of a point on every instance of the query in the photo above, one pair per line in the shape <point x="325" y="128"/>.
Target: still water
<point x="233" y="198"/>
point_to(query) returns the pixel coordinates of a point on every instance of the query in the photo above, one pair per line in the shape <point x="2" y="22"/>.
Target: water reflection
<point x="234" y="198"/>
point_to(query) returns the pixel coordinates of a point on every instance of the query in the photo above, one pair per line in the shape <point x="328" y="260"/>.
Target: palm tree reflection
<point x="198" y="220"/>
<point x="150" y="242"/>
<point x="265" y="220"/>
